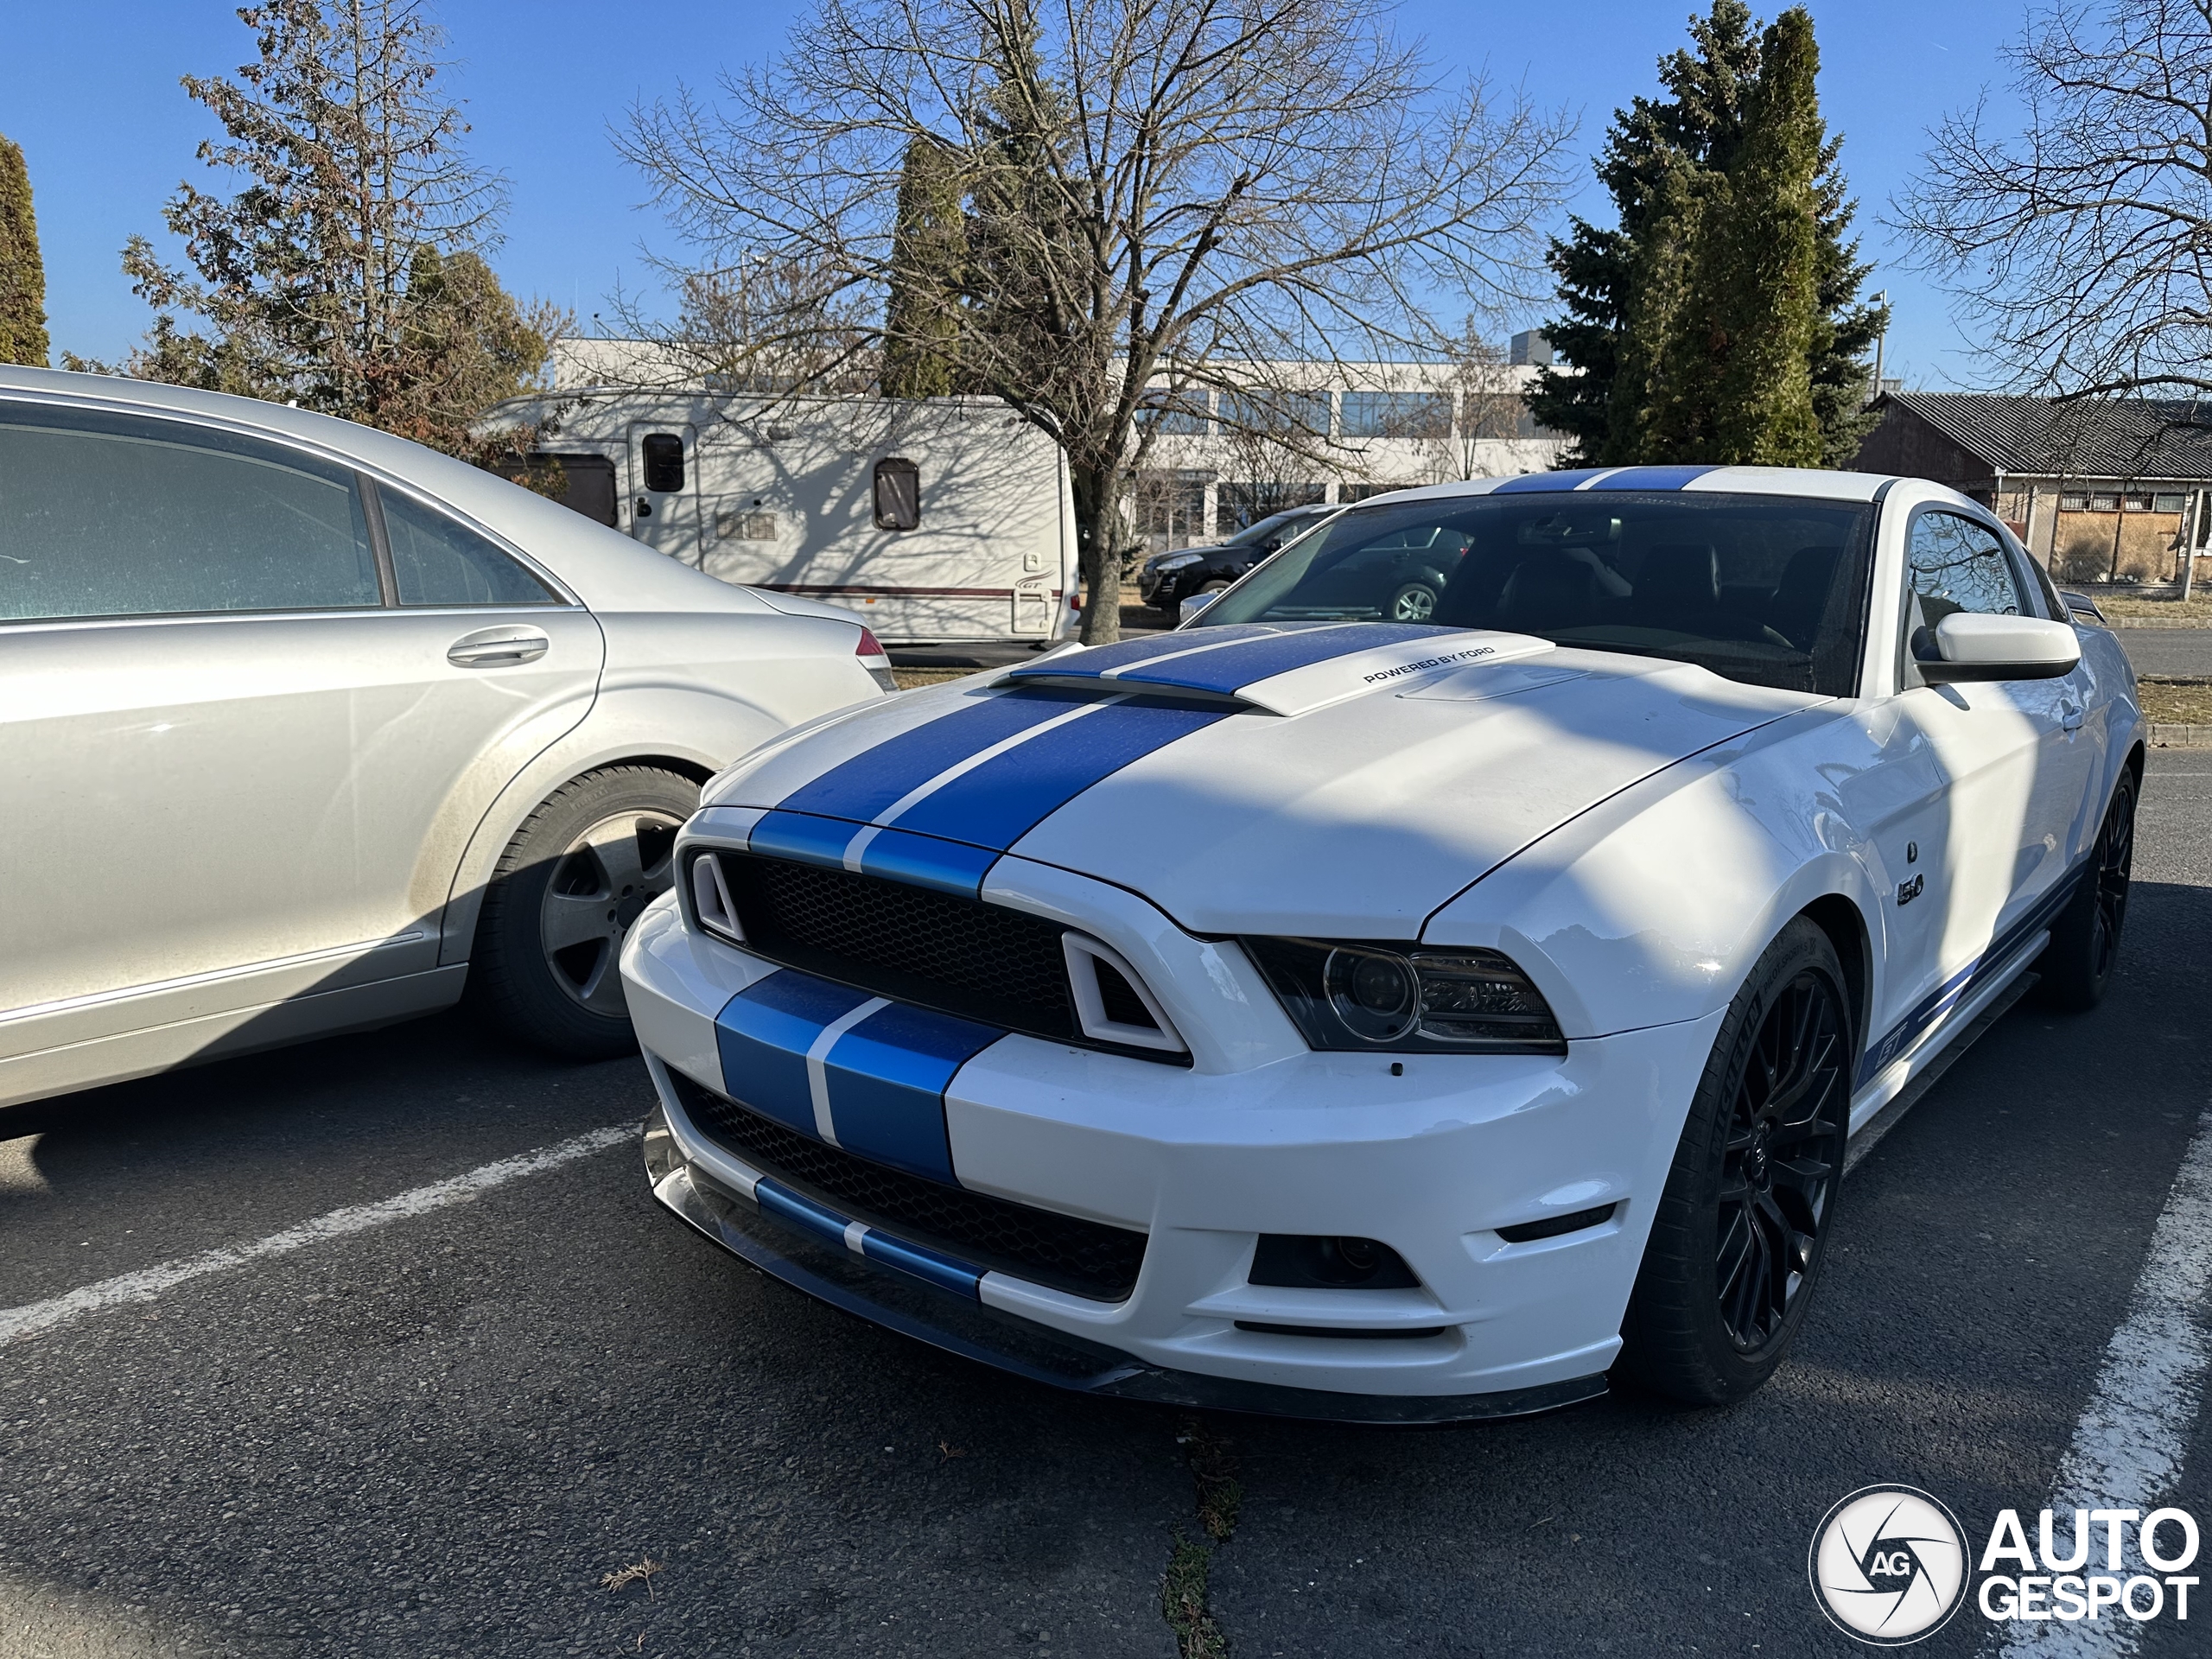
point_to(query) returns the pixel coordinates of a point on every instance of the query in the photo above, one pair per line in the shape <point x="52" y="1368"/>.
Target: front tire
<point x="1743" y="1227"/>
<point x="2076" y="967"/>
<point x="571" y="881"/>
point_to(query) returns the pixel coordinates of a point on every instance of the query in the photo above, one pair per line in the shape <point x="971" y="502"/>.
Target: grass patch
<point x="2179" y="702"/>
<point x="2199" y="607"/>
<point x="908" y="678"/>
<point x="1213" y="1471"/>
<point x="1183" y="1600"/>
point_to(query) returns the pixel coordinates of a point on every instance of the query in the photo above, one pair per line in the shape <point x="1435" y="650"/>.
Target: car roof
<point x="1743" y="480"/>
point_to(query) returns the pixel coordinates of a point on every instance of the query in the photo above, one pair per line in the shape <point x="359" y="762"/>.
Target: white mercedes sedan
<point x="1318" y="1013"/>
<point x="305" y="729"/>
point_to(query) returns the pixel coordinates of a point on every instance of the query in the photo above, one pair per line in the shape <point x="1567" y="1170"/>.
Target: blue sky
<point x="89" y="91"/>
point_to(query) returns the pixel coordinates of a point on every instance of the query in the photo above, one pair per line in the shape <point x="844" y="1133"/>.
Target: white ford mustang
<point x="1312" y="1013"/>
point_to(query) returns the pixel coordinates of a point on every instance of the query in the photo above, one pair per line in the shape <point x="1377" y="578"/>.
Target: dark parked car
<point x="1169" y="579"/>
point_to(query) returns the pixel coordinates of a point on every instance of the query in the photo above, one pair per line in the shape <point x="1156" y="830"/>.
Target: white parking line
<point x="16" y="1322"/>
<point x="2128" y="1446"/>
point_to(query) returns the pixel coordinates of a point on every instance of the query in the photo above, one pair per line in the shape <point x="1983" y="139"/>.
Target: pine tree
<point x="1732" y="384"/>
<point x="1670" y="163"/>
<point x="929" y="258"/>
<point x="22" y="276"/>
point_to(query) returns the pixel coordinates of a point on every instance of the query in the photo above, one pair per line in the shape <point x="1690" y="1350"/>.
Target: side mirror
<point x="1193" y="605"/>
<point x="1965" y="646"/>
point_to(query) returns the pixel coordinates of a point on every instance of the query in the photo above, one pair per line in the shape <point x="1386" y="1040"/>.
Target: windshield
<point x="1766" y="589"/>
<point x="1273" y="524"/>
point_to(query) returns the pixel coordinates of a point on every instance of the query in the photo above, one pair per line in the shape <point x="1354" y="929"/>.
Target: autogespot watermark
<point x="1889" y="1565"/>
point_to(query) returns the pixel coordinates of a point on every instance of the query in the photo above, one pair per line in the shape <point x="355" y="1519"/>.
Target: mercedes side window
<point x="109" y="515"/>
<point x="664" y="453"/>
<point x="898" y="494"/>
<point x="436" y="562"/>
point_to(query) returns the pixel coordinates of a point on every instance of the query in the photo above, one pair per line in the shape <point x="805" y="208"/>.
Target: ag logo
<point x="1889" y="1565"/>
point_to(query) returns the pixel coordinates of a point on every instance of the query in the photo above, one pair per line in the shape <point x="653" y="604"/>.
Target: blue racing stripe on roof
<point x="1001" y="801"/>
<point x="862" y="786"/>
<point x="1650" y="478"/>
<point x="1262" y="659"/>
<point x="803" y="838"/>
<point x="951" y="867"/>
<point x="1534" y="483"/>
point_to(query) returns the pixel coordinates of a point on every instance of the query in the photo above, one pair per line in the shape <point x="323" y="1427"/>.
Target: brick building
<point x="2096" y="489"/>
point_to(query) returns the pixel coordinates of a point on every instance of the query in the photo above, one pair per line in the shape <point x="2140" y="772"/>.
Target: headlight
<point x="1407" y="998"/>
<point x="1175" y="562"/>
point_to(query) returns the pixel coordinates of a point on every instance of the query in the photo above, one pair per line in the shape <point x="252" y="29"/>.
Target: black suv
<point x="1169" y="579"/>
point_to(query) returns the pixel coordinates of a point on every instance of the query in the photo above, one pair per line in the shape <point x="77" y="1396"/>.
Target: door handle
<point x="504" y="647"/>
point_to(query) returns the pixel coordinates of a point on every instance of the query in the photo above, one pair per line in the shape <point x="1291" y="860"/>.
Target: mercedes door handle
<point x="498" y="648"/>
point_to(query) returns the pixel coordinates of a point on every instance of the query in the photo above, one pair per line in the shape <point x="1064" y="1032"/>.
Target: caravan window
<point x="898" y="494"/>
<point x="664" y="463"/>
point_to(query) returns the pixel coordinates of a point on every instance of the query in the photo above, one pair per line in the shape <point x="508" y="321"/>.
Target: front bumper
<point x="1203" y="1161"/>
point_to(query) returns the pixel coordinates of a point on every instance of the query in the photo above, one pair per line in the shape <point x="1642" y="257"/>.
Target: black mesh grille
<point x="1119" y="998"/>
<point x="1084" y="1257"/>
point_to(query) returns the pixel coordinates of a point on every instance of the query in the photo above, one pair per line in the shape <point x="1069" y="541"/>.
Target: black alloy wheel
<point x="1739" y="1235"/>
<point x="1783" y="1159"/>
<point x="2077" y="968"/>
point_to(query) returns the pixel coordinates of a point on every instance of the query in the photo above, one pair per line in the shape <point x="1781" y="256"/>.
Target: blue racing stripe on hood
<point x="1248" y="662"/>
<point x="950" y="867"/>
<point x="873" y="780"/>
<point x="1650" y="477"/>
<point x="802" y="837"/>
<point x="1001" y="801"/>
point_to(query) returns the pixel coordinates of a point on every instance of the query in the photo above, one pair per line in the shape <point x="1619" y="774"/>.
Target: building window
<point x="1348" y="493"/>
<point x="2138" y="503"/>
<point x="1304" y="412"/>
<point x="1182" y="414"/>
<point x="2174" y="501"/>
<point x="1171" y="509"/>
<point x="2073" y="501"/>
<point x="2104" y="503"/>
<point x="1397" y="414"/>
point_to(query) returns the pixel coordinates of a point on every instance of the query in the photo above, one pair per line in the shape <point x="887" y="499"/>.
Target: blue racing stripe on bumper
<point x="763" y="1034"/>
<point x="1001" y="801"/>
<point x="887" y="1080"/>
<point x="928" y="862"/>
<point x="803" y="838"/>
<point x="823" y="1221"/>
<point x="945" y="1272"/>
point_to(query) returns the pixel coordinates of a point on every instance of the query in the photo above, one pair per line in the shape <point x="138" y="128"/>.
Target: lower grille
<point x="1084" y="1258"/>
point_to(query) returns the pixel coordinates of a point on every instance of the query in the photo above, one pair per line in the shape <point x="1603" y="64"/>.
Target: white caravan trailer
<point x="939" y="521"/>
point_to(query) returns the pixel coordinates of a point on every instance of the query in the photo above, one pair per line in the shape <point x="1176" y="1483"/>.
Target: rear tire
<point x="570" y="883"/>
<point x="1743" y="1226"/>
<point x="2076" y="967"/>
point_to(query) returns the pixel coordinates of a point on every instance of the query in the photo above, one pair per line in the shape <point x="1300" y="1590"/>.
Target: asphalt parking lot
<point x="448" y="1427"/>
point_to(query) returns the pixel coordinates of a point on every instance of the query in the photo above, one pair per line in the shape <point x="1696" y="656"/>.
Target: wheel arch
<point x="1837" y="916"/>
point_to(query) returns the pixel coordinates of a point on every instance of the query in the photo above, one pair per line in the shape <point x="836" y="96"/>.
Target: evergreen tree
<point x="1676" y="170"/>
<point x="22" y="276"/>
<point x="346" y="273"/>
<point x="928" y="259"/>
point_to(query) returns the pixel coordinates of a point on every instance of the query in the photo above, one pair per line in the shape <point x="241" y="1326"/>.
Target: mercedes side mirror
<point x="1966" y="646"/>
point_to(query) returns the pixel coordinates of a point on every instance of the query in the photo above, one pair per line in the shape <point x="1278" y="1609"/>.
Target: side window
<point x="898" y="494"/>
<point x="436" y="562"/>
<point x="1955" y="564"/>
<point x="104" y="515"/>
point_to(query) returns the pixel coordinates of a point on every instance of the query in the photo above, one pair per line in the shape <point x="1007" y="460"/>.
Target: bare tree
<point x="2084" y="244"/>
<point x="1158" y="193"/>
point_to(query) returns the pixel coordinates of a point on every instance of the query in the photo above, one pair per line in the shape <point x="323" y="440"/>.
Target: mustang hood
<point x="1340" y="781"/>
